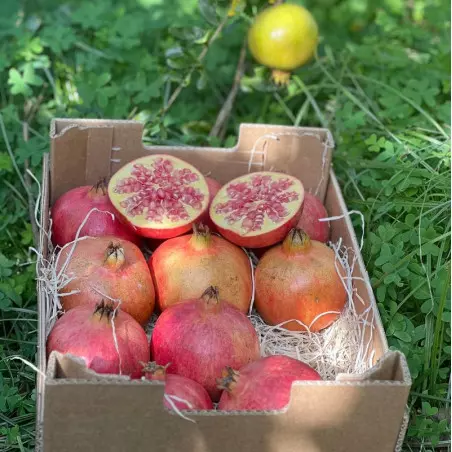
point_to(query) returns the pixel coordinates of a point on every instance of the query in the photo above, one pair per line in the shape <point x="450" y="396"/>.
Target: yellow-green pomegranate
<point x="283" y="37"/>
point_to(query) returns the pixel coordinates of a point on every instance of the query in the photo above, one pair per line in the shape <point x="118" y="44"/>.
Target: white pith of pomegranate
<point x="258" y="209"/>
<point x="159" y="195"/>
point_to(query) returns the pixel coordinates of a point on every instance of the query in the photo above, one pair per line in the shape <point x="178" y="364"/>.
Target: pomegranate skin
<point x="199" y="337"/>
<point x="190" y="391"/>
<point x="184" y="266"/>
<point x="313" y="210"/>
<point x="298" y="280"/>
<point x="71" y="209"/>
<point x="264" y="384"/>
<point x="100" y="269"/>
<point x="89" y="336"/>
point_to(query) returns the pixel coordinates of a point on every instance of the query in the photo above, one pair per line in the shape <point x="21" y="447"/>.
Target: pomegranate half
<point x="264" y="384"/>
<point x="107" y="267"/>
<point x="184" y="266"/>
<point x="87" y="332"/>
<point x="199" y="337"/>
<point x="159" y="195"/>
<point x="258" y="209"/>
<point x="71" y="209"/>
<point x="298" y="280"/>
<point x="187" y="394"/>
<point x="313" y="210"/>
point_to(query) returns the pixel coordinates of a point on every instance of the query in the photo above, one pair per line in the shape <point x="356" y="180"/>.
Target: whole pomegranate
<point x="313" y="210"/>
<point x="283" y="37"/>
<point x="71" y="209"/>
<point x="258" y="209"/>
<point x="100" y="267"/>
<point x="187" y="394"/>
<point x="88" y="333"/>
<point x="262" y="385"/>
<point x="199" y="337"/>
<point x="184" y="266"/>
<point x="161" y="196"/>
<point x="214" y="187"/>
<point x="298" y="280"/>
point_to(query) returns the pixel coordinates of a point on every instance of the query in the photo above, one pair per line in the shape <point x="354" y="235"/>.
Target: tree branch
<point x="220" y="126"/>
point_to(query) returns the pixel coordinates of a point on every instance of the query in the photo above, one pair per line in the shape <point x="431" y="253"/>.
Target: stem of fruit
<point x="296" y="241"/>
<point x="228" y="380"/>
<point x="114" y="256"/>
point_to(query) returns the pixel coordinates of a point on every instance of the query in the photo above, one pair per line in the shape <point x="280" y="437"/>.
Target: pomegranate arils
<point x="258" y="209"/>
<point x="161" y="191"/>
<point x="161" y="196"/>
<point x="251" y="201"/>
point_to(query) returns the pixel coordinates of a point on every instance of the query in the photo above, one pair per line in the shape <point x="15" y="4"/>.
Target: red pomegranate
<point x="313" y="210"/>
<point x="88" y="334"/>
<point x="264" y="384"/>
<point x="159" y="195"/>
<point x="298" y="280"/>
<point x="187" y="394"/>
<point x="71" y="209"/>
<point x="200" y="337"/>
<point x="258" y="209"/>
<point x="184" y="266"/>
<point x="107" y="267"/>
<point x="214" y="188"/>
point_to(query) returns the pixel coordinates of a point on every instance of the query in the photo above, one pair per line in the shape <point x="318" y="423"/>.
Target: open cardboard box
<point x="81" y="411"/>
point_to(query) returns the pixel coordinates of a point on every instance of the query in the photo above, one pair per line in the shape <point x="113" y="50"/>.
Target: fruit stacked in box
<point x="199" y="280"/>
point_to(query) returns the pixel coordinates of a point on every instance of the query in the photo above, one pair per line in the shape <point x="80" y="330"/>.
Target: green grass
<point x="380" y="82"/>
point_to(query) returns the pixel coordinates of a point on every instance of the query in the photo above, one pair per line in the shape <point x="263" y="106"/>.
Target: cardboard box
<point x="81" y="411"/>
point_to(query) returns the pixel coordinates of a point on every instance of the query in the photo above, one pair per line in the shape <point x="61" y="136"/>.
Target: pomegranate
<point x="184" y="266"/>
<point x="298" y="280"/>
<point x="88" y="333"/>
<point x="313" y="210"/>
<point x="159" y="195"/>
<point x="190" y="395"/>
<point x="214" y="187"/>
<point x="71" y="209"/>
<point x="107" y="267"/>
<point x="262" y="385"/>
<point x="199" y="337"/>
<point x="258" y="209"/>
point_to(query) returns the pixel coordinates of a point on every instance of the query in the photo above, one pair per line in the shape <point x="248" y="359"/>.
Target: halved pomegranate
<point x="159" y="195"/>
<point x="258" y="209"/>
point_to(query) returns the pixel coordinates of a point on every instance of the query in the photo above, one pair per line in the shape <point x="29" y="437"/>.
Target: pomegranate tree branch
<point x="219" y="128"/>
<point x="201" y="56"/>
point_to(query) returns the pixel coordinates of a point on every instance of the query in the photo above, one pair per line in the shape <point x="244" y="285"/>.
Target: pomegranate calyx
<point x="280" y="77"/>
<point x="114" y="256"/>
<point x="202" y="236"/>
<point x="154" y="371"/>
<point x="100" y="187"/>
<point x="228" y="380"/>
<point x="296" y="241"/>
<point x="106" y="309"/>
<point x="211" y="295"/>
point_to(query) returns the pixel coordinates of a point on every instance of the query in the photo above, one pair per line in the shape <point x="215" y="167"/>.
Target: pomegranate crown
<point x="228" y="380"/>
<point x="154" y="369"/>
<point x="106" y="309"/>
<point x="296" y="240"/>
<point x="211" y="294"/>
<point x="101" y="185"/>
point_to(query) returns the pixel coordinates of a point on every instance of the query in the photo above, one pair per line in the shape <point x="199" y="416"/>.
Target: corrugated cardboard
<point x="81" y="411"/>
